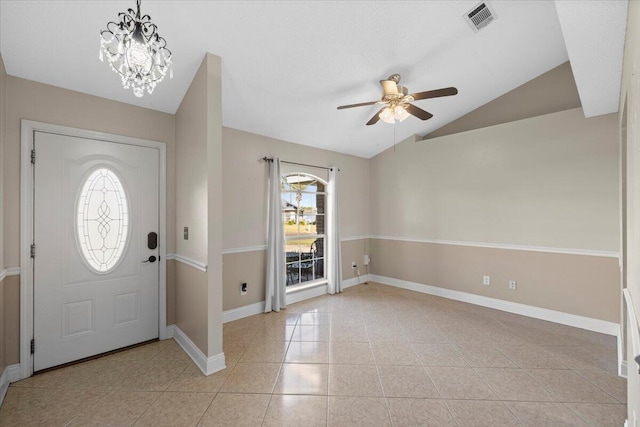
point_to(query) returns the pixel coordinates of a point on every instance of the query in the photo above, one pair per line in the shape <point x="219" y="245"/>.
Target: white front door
<point x="95" y="203"/>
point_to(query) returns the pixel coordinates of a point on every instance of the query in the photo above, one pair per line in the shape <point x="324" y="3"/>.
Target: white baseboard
<point x="622" y="369"/>
<point x="355" y="281"/>
<point x="588" y="323"/>
<point x="208" y="365"/>
<point x="171" y="331"/>
<point x="241" y="312"/>
<point x="305" y="294"/>
<point x="215" y="363"/>
<point x="257" y="308"/>
<point x="10" y="374"/>
<point x="622" y="364"/>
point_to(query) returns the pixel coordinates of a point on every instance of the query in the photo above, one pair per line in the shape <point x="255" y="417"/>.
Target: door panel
<point x="92" y="291"/>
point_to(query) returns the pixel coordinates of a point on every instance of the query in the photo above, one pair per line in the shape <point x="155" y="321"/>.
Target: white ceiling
<point x="594" y="35"/>
<point x="287" y="65"/>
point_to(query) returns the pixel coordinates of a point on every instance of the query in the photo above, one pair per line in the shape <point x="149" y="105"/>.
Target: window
<point x="102" y="220"/>
<point x="303" y="216"/>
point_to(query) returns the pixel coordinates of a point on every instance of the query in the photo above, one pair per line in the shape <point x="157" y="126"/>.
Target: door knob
<point x="152" y="258"/>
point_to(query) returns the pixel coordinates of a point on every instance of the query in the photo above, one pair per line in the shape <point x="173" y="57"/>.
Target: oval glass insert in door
<point x="102" y="220"/>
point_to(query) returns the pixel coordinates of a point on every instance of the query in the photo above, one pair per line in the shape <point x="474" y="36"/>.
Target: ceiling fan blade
<point x="389" y="87"/>
<point x="418" y="112"/>
<point x="448" y="91"/>
<point x="375" y="118"/>
<point x="362" y="104"/>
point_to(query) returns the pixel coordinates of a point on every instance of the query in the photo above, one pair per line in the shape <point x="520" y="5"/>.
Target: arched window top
<point x="102" y="220"/>
<point x="302" y="182"/>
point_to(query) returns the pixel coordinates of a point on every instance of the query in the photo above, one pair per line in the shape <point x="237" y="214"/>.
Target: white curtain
<point x="334" y="259"/>
<point x="275" y="281"/>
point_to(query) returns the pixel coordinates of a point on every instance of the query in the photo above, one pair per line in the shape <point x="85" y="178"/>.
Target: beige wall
<point x="191" y="209"/>
<point x="39" y="102"/>
<point x="214" y="202"/>
<point x="198" y="206"/>
<point x="3" y="131"/>
<point x="191" y="304"/>
<point x="244" y="267"/>
<point x="244" y="183"/>
<point x="577" y="284"/>
<point x="548" y="93"/>
<point x="11" y="285"/>
<point x="630" y="94"/>
<point x="171" y="292"/>
<point x="244" y="206"/>
<point x="250" y="268"/>
<point x="191" y="169"/>
<point x="548" y="181"/>
<point x="353" y="250"/>
<point x="3" y="100"/>
<point x="49" y="104"/>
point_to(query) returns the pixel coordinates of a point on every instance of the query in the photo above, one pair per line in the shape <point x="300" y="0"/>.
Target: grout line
<point x="576" y="413"/>
<point x="516" y="416"/>
<point x="264" y="418"/>
<point x="386" y="402"/>
<point x="206" y="409"/>
<point x="577" y="371"/>
<point x="368" y="327"/>
<point x="450" y="412"/>
<point x="159" y="394"/>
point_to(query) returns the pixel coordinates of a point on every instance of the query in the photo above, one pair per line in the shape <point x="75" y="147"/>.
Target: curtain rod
<point x="270" y="159"/>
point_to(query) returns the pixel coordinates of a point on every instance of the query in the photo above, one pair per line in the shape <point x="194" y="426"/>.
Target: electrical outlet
<point x="186" y="233"/>
<point x="512" y="285"/>
<point x="353" y="264"/>
<point x="243" y="289"/>
<point x="486" y="280"/>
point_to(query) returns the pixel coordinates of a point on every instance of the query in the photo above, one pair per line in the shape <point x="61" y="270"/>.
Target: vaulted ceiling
<point x="287" y="65"/>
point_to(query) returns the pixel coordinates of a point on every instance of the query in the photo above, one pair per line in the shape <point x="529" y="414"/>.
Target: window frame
<point x="80" y="227"/>
<point x="307" y="284"/>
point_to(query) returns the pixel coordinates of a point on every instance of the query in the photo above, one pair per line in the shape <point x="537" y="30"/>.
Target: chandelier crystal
<point x="136" y="52"/>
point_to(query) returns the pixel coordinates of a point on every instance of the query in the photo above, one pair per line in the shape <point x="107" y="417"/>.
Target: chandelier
<point x="134" y="50"/>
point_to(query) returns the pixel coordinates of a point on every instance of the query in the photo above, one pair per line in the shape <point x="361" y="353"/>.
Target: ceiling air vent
<point x="480" y="16"/>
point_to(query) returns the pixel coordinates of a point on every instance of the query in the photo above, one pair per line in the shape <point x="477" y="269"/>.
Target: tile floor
<point x="374" y="355"/>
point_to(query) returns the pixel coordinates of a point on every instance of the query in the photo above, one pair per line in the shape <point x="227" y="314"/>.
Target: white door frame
<point x="28" y="129"/>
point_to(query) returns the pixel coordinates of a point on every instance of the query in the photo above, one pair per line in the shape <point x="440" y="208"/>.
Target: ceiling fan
<point x="397" y="102"/>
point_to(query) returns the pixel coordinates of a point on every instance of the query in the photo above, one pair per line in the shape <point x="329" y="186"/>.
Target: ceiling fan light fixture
<point x="399" y="113"/>
<point x="136" y="52"/>
<point x="387" y="116"/>
<point x="398" y="103"/>
<point x="393" y="114"/>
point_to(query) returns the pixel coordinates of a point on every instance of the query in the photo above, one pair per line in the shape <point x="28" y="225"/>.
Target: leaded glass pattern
<point x="102" y="223"/>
